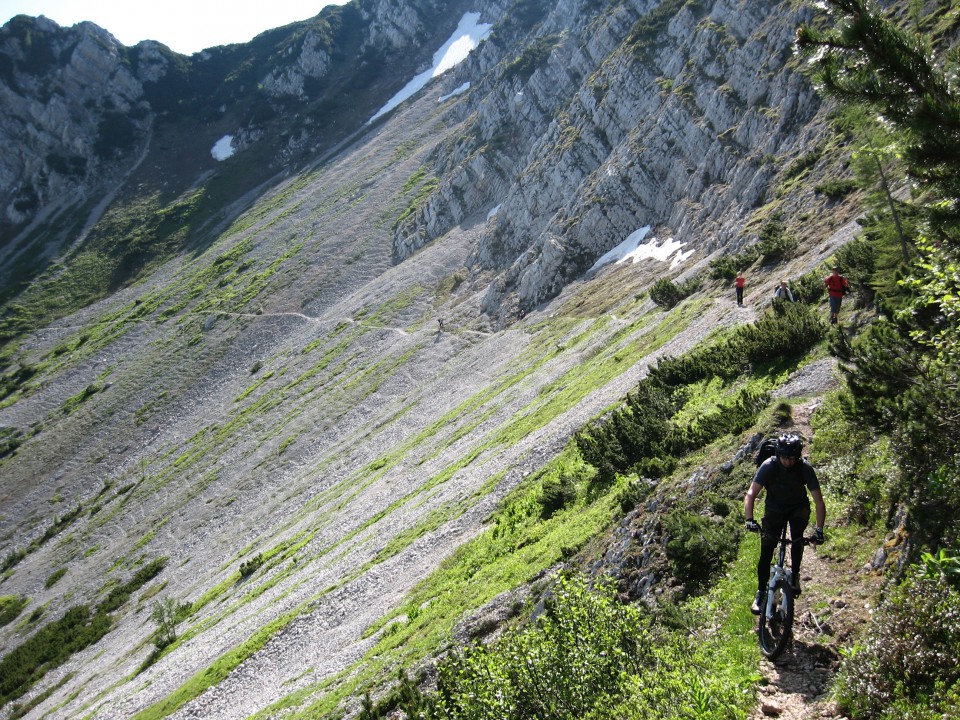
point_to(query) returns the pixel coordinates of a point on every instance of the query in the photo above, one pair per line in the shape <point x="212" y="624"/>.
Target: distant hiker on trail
<point x="440" y="324"/>
<point x="786" y="477"/>
<point x="783" y="292"/>
<point x="837" y="286"/>
<point x="739" y="284"/>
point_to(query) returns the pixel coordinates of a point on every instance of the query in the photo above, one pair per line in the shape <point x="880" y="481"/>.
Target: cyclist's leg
<point x="772" y="525"/>
<point x="799" y="520"/>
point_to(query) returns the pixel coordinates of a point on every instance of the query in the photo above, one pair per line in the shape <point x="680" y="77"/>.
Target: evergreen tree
<point x="865" y="59"/>
<point x="905" y="372"/>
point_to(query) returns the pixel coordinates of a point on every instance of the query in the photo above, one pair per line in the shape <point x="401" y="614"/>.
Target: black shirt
<point x="786" y="488"/>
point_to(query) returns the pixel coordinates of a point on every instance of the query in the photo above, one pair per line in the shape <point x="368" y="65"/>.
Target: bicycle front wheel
<point x="776" y="621"/>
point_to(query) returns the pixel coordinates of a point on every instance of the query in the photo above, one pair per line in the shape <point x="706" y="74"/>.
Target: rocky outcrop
<point x="674" y="115"/>
<point x="312" y="61"/>
<point x="74" y="114"/>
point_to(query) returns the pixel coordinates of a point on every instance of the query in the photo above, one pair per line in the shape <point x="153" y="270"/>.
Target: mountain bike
<point x="776" y="606"/>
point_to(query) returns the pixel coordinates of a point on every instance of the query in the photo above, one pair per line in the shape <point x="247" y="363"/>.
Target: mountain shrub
<point x="908" y="666"/>
<point x="49" y="647"/>
<point x="14" y="380"/>
<point x="10" y="441"/>
<point x="78" y="628"/>
<point x="775" y="245"/>
<point x="726" y="267"/>
<point x="855" y="466"/>
<point x="722" y="359"/>
<point x="10" y="607"/>
<point x="120" y="594"/>
<point x="586" y="657"/>
<point x="785" y="335"/>
<point x="12" y="558"/>
<point x="668" y="294"/>
<point x="577" y="656"/>
<point x="731" y="416"/>
<point x="836" y="189"/>
<point x="858" y="261"/>
<point x="643" y="436"/>
<point x="249" y="567"/>
<point x="54" y="577"/>
<point x="699" y="547"/>
<point x="904" y="372"/>
<point x="555" y="494"/>
<point x="808" y="288"/>
<point x="630" y="434"/>
<point x="531" y="58"/>
<point x="167" y="613"/>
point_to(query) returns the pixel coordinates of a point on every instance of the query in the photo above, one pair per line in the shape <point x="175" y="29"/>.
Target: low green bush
<point x="587" y="656"/>
<point x="644" y="437"/>
<point x="556" y="493"/>
<point x="783" y="335"/>
<point x="120" y="594"/>
<point x="633" y="433"/>
<point x="808" y="288"/>
<point x="668" y="294"/>
<point x="54" y="577"/>
<point x="856" y="467"/>
<point x="775" y="245"/>
<point x="858" y="261"/>
<point x="10" y="607"/>
<point x="249" y="567"/>
<point x="788" y="334"/>
<point x="569" y="663"/>
<point x="699" y="546"/>
<point x="49" y="647"/>
<point x="53" y="644"/>
<point x="908" y="666"/>
<point x="836" y="189"/>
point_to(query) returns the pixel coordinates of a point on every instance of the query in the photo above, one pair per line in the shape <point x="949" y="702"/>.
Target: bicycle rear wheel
<point x="776" y="628"/>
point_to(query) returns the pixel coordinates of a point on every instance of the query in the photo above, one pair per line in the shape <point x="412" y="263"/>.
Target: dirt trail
<point x="798" y="684"/>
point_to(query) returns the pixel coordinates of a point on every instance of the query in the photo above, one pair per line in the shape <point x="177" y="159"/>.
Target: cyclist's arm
<point x="750" y="498"/>
<point x="819" y="507"/>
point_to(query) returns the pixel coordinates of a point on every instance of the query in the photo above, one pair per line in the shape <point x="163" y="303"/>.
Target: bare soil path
<point x="798" y="684"/>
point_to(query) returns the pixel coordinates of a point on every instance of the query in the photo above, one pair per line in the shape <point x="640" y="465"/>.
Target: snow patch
<point x="469" y="33"/>
<point x="223" y="148"/>
<point x="459" y="91"/>
<point x="493" y="212"/>
<point x="633" y="249"/>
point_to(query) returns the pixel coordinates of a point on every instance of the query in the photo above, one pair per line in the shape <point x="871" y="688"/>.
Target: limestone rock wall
<point x="73" y="111"/>
<point x="635" y="116"/>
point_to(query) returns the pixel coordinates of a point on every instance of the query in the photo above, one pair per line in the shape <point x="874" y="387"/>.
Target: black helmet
<point x="789" y="445"/>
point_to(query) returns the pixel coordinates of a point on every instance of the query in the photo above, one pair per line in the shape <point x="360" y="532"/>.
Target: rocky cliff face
<point x="79" y="109"/>
<point x="622" y="116"/>
<point x="74" y="115"/>
<point x="591" y="120"/>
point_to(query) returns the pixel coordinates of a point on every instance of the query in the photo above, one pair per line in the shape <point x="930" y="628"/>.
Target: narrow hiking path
<point x="798" y="685"/>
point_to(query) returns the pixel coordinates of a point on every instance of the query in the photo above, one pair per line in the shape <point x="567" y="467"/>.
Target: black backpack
<point x="768" y="448"/>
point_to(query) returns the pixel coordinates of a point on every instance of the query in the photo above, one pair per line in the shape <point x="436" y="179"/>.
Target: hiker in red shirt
<point x="837" y="286"/>
<point x="738" y="284"/>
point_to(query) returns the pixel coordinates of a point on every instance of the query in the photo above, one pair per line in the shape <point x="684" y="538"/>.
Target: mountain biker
<point x="786" y="477"/>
